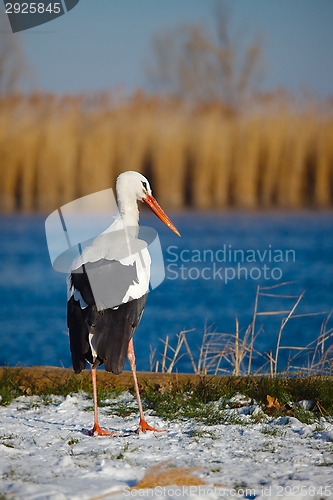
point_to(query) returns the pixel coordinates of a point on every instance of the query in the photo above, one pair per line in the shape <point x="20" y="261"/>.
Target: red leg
<point x="96" y="429"/>
<point x="143" y="425"/>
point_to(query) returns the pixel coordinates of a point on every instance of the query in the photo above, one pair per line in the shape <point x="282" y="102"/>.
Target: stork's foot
<point x="97" y="431"/>
<point x="144" y="426"/>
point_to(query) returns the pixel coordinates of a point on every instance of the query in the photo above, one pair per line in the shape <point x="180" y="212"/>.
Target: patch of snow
<point x="240" y="399"/>
<point x="45" y="456"/>
<point x="306" y="404"/>
<point x="249" y="410"/>
<point x="327" y="435"/>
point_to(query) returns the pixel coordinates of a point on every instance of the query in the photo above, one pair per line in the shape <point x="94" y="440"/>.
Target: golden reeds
<point x="55" y="149"/>
<point x="168" y="157"/>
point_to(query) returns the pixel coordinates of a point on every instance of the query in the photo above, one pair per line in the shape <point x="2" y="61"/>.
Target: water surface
<point x="295" y="247"/>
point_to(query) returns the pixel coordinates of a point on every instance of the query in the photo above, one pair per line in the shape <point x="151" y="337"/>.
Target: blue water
<point x="33" y="295"/>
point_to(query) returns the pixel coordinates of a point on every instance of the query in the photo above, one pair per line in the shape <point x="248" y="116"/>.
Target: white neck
<point x="128" y="209"/>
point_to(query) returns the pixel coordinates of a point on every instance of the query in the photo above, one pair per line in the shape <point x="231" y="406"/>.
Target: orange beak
<point x="158" y="210"/>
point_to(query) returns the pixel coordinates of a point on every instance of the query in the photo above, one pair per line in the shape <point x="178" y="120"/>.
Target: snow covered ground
<point x="44" y="454"/>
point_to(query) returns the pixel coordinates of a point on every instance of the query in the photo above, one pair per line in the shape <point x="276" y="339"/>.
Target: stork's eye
<point x="144" y="184"/>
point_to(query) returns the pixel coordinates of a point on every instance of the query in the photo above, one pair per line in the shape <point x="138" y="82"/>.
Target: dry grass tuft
<point x="163" y="474"/>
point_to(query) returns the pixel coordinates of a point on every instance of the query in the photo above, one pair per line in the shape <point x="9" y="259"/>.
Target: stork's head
<point x="134" y="186"/>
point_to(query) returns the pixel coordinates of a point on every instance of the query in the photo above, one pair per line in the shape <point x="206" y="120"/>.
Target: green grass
<point x="9" y="388"/>
<point x="105" y="394"/>
<point x="271" y="431"/>
<point x="14" y="383"/>
<point x="290" y="389"/>
<point x="183" y="401"/>
<point x="108" y="399"/>
<point x="121" y="454"/>
<point x="73" y="441"/>
<point x="205" y="401"/>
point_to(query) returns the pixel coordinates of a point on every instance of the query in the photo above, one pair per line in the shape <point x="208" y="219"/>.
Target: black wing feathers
<point x="78" y="335"/>
<point x="112" y="328"/>
<point x="102" y="274"/>
<point x="80" y="282"/>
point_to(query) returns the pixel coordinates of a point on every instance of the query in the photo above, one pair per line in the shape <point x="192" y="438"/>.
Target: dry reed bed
<point x="232" y="354"/>
<point x="55" y="149"/>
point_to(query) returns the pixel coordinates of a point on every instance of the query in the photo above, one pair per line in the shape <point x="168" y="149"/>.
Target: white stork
<point x="101" y="330"/>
